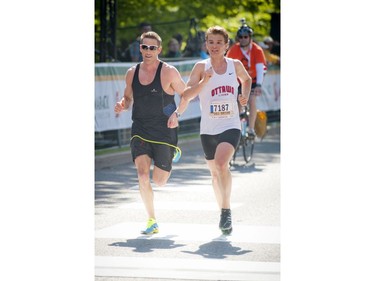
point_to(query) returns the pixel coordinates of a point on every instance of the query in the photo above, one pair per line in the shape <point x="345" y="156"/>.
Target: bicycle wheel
<point x="231" y="162"/>
<point x="248" y="149"/>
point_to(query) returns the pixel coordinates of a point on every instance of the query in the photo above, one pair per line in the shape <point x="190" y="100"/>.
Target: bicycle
<point x="246" y="142"/>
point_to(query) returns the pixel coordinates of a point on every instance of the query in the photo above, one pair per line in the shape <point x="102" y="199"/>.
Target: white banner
<point x="107" y="93"/>
<point x="270" y="98"/>
<point x="110" y="85"/>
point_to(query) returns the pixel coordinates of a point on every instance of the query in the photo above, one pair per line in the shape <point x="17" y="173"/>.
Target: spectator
<point x="203" y="52"/>
<point x="273" y="46"/>
<point x="179" y="38"/>
<point x="270" y="58"/>
<point x="173" y="49"/>
<point x="194" y="44"/>
<point x="122" y="51"/>
<point x="135" y="54"/>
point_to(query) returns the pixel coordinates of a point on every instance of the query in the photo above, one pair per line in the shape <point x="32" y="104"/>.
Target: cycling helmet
<point x="244" y="30"/>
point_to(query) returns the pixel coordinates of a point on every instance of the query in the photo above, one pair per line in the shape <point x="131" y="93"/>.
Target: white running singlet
<point x="218" y="101"/>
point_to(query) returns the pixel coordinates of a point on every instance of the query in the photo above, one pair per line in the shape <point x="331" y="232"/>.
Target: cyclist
<point x="252" y="57"/>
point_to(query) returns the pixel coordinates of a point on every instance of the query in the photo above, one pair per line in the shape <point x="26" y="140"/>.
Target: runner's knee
<point x="143" y="176"/>
<point x="160" y="178"/>
<point x="160" y="181"/>
<point x="221" y="165"/>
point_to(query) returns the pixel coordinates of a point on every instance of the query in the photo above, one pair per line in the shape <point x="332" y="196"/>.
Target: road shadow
<point x="218" y="250"/>
<point x="250" y="167"/>
<point x="185" y="176"/>
<point x="113" y="184"/>
<point x="143" y="245"/>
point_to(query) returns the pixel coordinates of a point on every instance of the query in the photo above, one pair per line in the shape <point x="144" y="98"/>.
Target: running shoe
<point x="225" y="219"/>
<point x="151" y="228"/>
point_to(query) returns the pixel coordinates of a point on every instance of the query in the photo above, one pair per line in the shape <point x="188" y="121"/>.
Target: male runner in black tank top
<point x="150" y="86"/>
<point x="151" y="110"/>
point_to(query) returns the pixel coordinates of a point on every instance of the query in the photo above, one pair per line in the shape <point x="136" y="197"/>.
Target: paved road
<point x="189" y="245"/>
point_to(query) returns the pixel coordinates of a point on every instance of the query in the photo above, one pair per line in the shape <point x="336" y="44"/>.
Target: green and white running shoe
<point x="226" y="221"/>
<point x="151" y="228"/>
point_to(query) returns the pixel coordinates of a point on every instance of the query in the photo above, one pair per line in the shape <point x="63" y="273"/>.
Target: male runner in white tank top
<point x="215" y="81"/>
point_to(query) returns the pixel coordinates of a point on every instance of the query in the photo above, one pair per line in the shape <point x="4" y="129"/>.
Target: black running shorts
<point x="161" y="154"/>
<point x="210" y="142"/>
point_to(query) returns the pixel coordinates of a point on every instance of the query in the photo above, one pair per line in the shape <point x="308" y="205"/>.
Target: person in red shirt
<point x="252" y="57"/>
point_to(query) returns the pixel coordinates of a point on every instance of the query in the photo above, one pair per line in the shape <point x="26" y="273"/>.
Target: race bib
<point x="222" y="109"/>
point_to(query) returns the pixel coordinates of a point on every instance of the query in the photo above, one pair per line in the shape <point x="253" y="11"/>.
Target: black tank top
<point x="151" y="110"/>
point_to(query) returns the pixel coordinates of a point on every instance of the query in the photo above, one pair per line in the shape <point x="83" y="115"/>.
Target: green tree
<point x="169" y="17"/>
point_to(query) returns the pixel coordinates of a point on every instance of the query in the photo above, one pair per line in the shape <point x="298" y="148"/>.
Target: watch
<point x="258" y="85"/>
<point x="177" y="114"/>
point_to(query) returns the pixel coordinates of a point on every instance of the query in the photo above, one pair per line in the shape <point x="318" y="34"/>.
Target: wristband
<point x="258" y="85"/>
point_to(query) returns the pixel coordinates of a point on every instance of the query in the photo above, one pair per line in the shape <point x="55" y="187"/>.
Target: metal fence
<point x="120" y="138"/>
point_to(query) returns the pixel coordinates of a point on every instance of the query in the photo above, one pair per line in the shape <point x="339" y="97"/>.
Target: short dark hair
<point x="143" y="24"/>
<point x="218" y="30"/>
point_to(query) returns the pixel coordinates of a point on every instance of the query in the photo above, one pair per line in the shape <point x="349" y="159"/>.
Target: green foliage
<point x="169" y="17"/>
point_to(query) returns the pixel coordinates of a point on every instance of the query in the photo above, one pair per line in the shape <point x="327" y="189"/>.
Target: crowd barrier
<point x="110" y="84"/>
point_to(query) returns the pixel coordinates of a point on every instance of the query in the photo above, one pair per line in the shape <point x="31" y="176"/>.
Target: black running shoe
<point x="225" y="219"/>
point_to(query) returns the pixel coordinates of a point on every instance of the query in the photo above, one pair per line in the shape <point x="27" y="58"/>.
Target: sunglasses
<point x="245" y="37"/>
<point x="147" y="47"/>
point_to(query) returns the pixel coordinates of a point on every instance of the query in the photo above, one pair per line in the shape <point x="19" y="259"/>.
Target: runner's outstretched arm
<point x="198" y="78"/>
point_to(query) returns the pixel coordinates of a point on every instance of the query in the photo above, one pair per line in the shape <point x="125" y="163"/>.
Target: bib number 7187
<point x="221" y="109"/>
